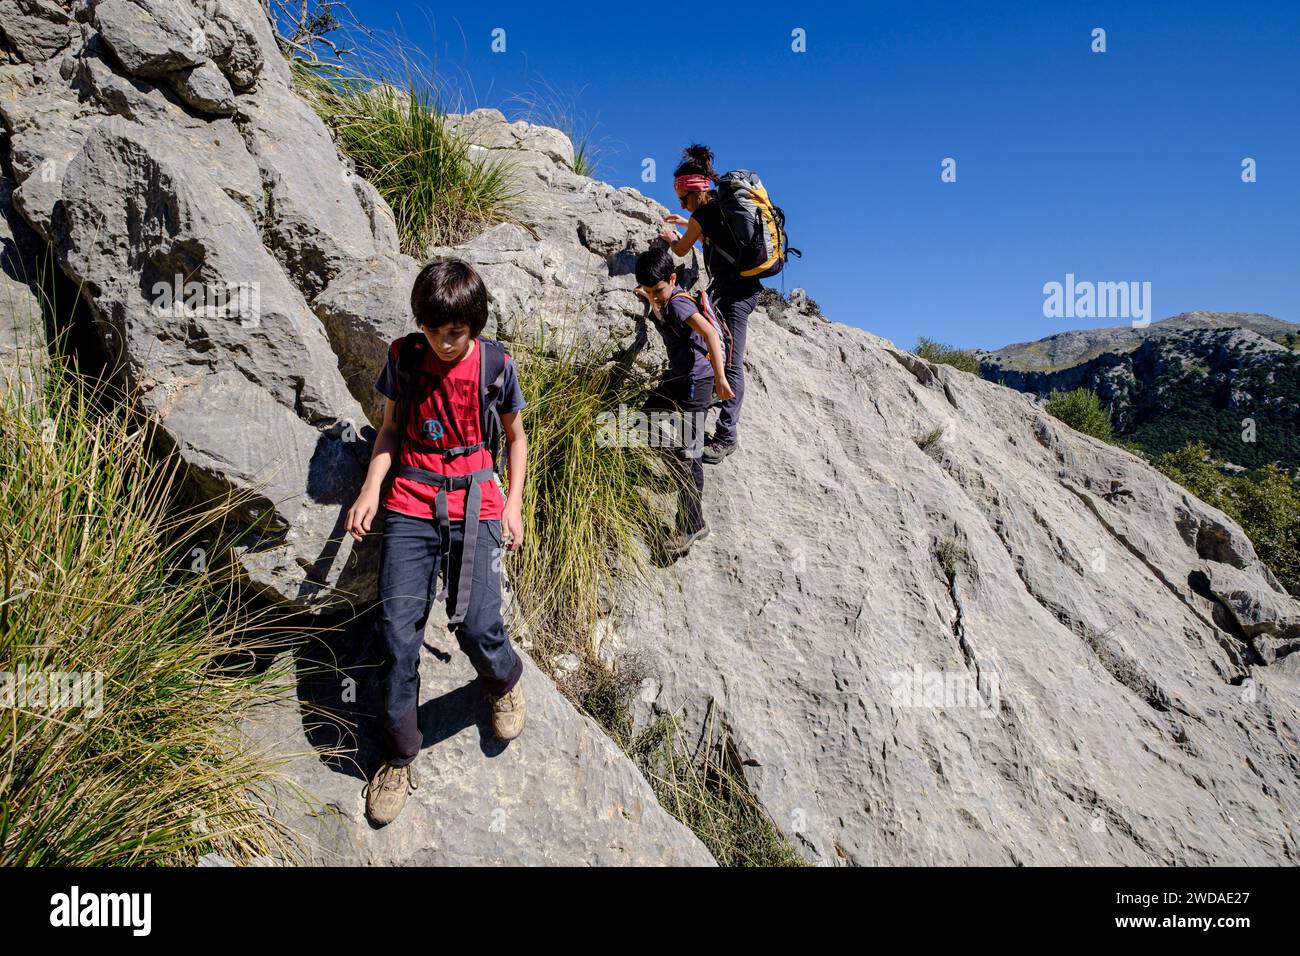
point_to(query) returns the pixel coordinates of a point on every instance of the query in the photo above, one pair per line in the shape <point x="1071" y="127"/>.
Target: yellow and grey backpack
<point x="755" y="223"/>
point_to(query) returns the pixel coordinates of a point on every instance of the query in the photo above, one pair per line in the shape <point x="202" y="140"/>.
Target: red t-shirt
<point x="446" y="415"/>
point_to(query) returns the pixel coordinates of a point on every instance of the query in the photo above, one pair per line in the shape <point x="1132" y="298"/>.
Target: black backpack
<point x="492" y="372"/>
<point x="756" y="225"/>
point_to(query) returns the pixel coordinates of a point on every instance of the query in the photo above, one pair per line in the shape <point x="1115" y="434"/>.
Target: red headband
<point x="696" y="182"/>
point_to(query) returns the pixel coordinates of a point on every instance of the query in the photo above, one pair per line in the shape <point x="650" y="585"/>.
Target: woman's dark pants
<point x="733" y="301"/>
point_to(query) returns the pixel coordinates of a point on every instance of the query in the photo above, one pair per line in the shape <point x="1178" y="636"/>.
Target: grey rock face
<point x="244" y="382"/>
<point x="178" y="227"/>
<point x="364" y="309"/>
<point x="22" y="322"/>
<point x="1001" y="649"/>
<point x="935" y="625"/>
<point x="562" y="794"/>
<point x="35" y="29"/>
<point x="151" y="37"/>
<point x="315" y="220"/>
<point x="1017" y="646"/>
<point x="206" y="89"/>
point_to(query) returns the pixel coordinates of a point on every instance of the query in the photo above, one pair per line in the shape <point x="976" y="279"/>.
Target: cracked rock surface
<point x="935" y="625"/>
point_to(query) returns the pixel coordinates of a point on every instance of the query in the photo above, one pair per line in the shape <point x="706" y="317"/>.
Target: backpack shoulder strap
<point x="492" y="374"/>
<point x="680" y="328"/>
<point x="705" y="308"/>
<point x="410" y="356"/>
<point x="492" y="365"/>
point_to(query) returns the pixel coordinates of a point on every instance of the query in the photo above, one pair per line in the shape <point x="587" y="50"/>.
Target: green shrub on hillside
<point x="1265" y="502"/>
<point x="933" y="351"/>
<point x="1082" y="410"/>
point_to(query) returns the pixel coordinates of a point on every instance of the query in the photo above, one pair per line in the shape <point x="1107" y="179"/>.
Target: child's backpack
<point x="492" y="370"/>
<point x="705" y="308"/>
<point x="755" y="223"/>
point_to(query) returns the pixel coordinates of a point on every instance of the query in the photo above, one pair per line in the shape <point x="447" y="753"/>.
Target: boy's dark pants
<point x="733" y="301"/>
<point x="408" y="584"/>
<point x="691" y="399"/>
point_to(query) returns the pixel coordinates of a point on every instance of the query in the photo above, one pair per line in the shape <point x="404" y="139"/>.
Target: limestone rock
<point x="364" y="309"/>
<point x="991" y="650"/>
<point x="22" y="321"/>
<point x="315" y="221"/>
<point x="561" y="794"/>
<point x="145" y="197"/>
<point x="151" y="38"/>
<point x="35" y="29"/>
<point x="205" y="88"/>
<point x="933" y="624"/>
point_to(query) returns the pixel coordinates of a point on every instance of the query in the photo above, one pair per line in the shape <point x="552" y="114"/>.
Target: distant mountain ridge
<point x="1228" y="379"/>
<point x="1067" y="349"/>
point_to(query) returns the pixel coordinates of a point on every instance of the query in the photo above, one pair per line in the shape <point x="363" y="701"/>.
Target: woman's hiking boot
<point x="679" y="545"/>
<point x="715" y="451"/>
<point x="508" y="712"/>
<point x="386" y="792"/>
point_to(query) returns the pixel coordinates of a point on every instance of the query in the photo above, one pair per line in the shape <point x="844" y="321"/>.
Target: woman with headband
<point x="734" y="296"/>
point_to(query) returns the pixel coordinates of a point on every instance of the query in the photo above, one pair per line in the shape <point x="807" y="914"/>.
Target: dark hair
<point x="449" y="290"/>
<point x="654" y="266"/>
<point x="697" y="160"/>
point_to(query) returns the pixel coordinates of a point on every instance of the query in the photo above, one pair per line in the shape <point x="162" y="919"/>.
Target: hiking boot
<point x="508" y="712"/>
<point x="386" y="792"/>
<point x="715" y="451"/>
<point x="680" y="544"/>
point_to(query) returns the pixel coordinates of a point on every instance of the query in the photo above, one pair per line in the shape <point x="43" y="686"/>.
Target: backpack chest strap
<point x="446" y="453"/>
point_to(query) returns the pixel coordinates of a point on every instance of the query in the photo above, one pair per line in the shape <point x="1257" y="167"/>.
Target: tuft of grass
<point x="595" y="506"/>
<point x="399" y="139"/>
<point x="952" y="555"/>
<point x="933" y="351"/>
<point x="99" y="579"/>
<point x="708" y="794"/>
<point x="702" y="787"/>
<point x="930" y="440"/>
<point x="546" y="106"/>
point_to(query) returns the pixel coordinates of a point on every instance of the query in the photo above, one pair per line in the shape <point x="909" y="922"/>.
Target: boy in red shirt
<point x="451" y="397"/>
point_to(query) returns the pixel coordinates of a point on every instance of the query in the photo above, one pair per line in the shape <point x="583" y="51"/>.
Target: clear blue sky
<point x="1115" y="166"/>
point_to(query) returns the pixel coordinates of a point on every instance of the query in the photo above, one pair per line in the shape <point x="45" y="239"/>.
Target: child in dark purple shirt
<point x="697" y="369"/>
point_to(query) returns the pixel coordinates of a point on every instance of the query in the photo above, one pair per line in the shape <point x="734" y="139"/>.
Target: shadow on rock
<point x="340" y="697"/>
